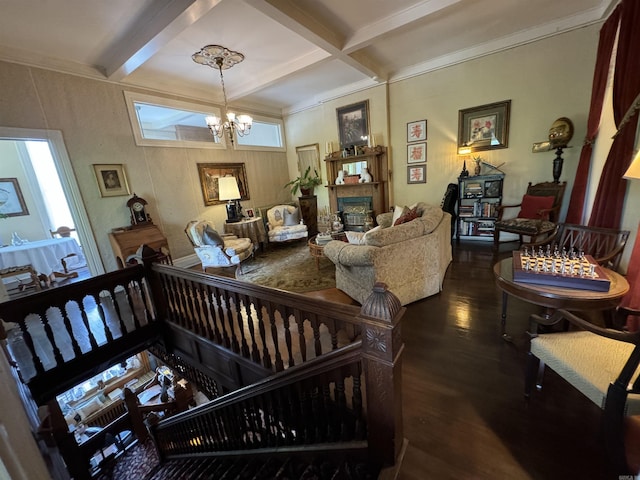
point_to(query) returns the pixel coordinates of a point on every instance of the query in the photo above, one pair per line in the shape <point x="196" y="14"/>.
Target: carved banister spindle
<point x="248" y="303"/>
<point x="204" y="311"/>
<point x="266" y="357"/>
<point x="85" y="322"/>
<point x="116" y="308"/>
<point x="287" y="336"/>
<point x="211" y="309"/>
<point x="57" y="354"/>
<point x="240" y="323"/>
<point x="100" y="308"/>
<point x="131" y="290"/>
<point x="273" y="309"/>
<point x="301" y="338"/>
<point x="382" y="349"/>
<point x="220" y="317"/>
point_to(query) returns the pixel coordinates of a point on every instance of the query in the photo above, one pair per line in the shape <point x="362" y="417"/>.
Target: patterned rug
<point x="289" y="267"/>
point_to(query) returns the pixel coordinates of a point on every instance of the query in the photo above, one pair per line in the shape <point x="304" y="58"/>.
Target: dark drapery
<point x="609" y="200"/>
<point x="603" y="60"/>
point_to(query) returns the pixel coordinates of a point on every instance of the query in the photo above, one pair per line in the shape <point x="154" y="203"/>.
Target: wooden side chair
<point x="601" y="363"/>
<point x="538" y="215"/>
<point x="605" y="245"/>
<point x="63" y="232"/>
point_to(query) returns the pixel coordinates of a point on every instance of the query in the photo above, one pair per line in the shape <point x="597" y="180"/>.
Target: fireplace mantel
<point x="378" y="190"/>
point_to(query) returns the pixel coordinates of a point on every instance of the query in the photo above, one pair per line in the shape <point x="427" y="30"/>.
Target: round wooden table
<point x="553" y="298"/>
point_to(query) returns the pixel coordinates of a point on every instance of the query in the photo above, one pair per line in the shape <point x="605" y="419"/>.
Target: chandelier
<point x="217" y="56"/>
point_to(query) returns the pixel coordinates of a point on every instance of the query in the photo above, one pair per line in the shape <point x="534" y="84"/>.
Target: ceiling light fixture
<point x="217" y="56"/>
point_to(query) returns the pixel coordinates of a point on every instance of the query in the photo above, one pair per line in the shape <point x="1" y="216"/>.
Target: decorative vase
<point x="306" y="192"/>
<point x="478" y="168"/>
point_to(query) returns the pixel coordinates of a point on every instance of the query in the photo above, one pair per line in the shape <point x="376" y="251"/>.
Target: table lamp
<point x="228" y="190"/>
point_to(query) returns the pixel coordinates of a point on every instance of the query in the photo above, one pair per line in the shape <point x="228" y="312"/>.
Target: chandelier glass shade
<point x="221" y="58"/>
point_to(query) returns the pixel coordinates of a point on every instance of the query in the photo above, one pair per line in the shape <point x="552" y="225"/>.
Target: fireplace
<point x="354" y="211"/>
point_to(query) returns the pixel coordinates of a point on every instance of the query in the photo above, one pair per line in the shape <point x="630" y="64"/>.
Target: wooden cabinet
<point x="309" y="213"/>
<point x="478" y="200"/>
<point x="125" y="242"/>
<point x="375" y="160"/>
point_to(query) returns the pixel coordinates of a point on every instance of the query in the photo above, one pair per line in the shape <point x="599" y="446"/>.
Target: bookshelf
<point x="478" y="202"/>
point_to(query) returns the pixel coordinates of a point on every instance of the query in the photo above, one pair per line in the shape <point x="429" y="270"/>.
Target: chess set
<point x="559" y="269"/>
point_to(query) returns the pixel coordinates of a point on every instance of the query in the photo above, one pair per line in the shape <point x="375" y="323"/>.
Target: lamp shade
<point x="633" y="172"/>
<point x="228" y="188"/>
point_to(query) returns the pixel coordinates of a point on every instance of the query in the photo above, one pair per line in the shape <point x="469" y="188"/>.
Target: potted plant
<point x="306" y="182"/>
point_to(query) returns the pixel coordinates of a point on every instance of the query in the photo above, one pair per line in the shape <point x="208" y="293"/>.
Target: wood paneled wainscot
<point x="377" y="189"/>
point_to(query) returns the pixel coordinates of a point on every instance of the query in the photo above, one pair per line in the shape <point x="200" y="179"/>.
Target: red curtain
<point x="603" y="60"/>
<point x="609" y="200"/>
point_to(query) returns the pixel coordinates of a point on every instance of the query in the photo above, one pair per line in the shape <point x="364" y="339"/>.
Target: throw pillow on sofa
<point x="398" y="211"/>
<point x="407" y="217"/>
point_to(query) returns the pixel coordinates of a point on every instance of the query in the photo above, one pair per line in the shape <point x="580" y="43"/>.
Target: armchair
<point x="215" y="250"/>
<point x="284" y="223"/>
<point x="602" y="364"/>
<point x="539" y="212"/>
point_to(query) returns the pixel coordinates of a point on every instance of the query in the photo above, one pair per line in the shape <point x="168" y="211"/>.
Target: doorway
<point x="61" y="204"/>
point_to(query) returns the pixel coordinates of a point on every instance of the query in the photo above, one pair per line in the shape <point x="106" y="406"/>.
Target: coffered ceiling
<point x="298" y="52"/>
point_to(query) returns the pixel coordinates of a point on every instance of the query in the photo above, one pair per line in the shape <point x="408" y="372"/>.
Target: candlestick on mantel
<point x="329" y="148"/>
<point x="372" y="141"/>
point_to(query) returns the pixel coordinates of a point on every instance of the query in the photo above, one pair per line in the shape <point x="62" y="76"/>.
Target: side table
<point x="252" y="228"/>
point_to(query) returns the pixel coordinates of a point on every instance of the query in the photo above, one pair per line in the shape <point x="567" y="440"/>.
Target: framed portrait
<point x="417" y="153"/>
<point x="11" y="199"/>
<point x="493" y="188"/>
<point x="250" y="212"/>
<point x="417" y="174"/>
<point x="111" y="179"/>
<point x="485" y="127"/>
<point x="209" y="174"/>
<point x="417" y="131"/>
<point x="353" y="124"/>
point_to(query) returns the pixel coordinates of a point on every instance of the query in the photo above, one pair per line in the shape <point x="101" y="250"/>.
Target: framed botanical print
<point x="485" y="127"/>
<point x="209" y="174"/>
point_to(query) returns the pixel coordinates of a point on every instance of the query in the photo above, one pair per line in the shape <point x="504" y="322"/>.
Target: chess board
<point x="582" y="273"/>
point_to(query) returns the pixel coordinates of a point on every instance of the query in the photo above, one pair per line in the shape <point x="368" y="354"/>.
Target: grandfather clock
<point x="309" y="212"/>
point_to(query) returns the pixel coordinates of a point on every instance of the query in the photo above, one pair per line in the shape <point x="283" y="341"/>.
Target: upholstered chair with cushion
<point x="284" y="223"/>
<point x="538" y="215"/>
<point x="215" y="250"/>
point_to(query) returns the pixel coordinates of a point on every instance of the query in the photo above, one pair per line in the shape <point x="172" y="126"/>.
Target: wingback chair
<point x="215" y="250"/>
<point x="284" y="223"/>
<point x="538" y="215"/>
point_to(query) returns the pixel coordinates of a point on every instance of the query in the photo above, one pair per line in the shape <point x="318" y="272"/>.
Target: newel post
<point x="382" y="366"/>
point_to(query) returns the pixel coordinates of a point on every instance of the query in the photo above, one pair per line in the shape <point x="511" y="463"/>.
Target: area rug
<point x="289" y="267"/>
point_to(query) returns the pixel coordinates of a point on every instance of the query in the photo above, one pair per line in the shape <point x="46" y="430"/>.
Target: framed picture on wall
<point x="11" y="199"/>
<point x="485" y="127"/>
<point x="417" y="153"/>
<point x="417" y="174"/>
<point x="209" y="174"/>
<point x="417" y="131"/>
<point x="353" y="124"/>
<point x="111" y="179"/>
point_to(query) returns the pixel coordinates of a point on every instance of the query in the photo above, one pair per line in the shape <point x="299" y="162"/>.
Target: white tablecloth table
<point x="43" y="255"/>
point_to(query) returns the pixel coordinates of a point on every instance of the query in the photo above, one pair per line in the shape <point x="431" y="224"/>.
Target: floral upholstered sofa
<point x="411" y="257"/>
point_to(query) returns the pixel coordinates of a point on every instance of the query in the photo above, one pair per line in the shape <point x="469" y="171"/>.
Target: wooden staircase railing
<point x="235" y="332"/>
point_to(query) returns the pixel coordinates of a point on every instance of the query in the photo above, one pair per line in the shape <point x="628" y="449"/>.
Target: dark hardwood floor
<point x="464" y="412"/>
